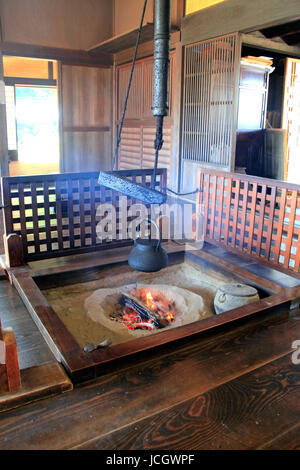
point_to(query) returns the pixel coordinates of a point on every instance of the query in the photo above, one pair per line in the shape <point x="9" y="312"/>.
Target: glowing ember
<point x="132" y="320"/>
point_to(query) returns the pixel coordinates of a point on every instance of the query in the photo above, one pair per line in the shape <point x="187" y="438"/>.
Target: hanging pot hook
<point x="157" y="228"/>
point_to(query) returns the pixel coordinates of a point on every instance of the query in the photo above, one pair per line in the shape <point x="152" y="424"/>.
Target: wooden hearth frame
<point x="85" y="366"/>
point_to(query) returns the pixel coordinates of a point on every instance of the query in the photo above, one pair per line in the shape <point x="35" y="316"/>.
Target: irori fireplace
<point x="53" y="216"/>
<point x="78" y="303"/>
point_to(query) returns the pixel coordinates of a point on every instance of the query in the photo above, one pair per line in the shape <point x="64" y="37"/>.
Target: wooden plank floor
<point x="32" y="348"/>
<point x="233" y="388"/>
<point x="240" y="414"/>
<point x="236" y="388"/>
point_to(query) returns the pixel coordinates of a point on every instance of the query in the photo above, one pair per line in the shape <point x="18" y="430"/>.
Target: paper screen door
<point x="210" y="101"/>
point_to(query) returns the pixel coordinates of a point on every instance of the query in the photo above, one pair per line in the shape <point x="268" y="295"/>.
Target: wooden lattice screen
<point x="211" y="77"/>
<point x="56" y="214"/>
<point x="291" y="117"/>
<point x="258" y="217"/>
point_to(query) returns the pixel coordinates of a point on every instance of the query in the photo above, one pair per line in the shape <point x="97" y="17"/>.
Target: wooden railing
<point x="257" y="217"/>
<point x="55" y="215"/>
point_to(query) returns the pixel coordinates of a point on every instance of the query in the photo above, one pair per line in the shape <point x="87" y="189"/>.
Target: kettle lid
<point x="238" y="290"/>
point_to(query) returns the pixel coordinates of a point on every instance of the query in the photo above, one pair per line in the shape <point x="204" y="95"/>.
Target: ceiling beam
<point x="292" y="39"/>
<point x="123" y="41"/>
<point x="270" y="45"/>
<point x="68" y="56"/>
<point x="281" y="30"/>
<point x="237" y="16"/>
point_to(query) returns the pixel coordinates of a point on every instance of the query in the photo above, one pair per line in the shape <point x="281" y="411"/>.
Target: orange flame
<point x="169" y="317"/>
<point x="149" y="295"/>
<point x="149" y="300"/>
<point x="131" y="317"/>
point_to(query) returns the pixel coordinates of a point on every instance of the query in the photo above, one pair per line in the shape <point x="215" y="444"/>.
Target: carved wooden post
<point x="10" y="380"/>
<point x="13" y="250"/>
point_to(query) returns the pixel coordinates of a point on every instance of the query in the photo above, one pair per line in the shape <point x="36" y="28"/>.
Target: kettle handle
<point x="155" y="225"/>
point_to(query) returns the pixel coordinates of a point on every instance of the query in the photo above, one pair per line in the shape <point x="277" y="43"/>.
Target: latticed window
<point x="211" y="76"/>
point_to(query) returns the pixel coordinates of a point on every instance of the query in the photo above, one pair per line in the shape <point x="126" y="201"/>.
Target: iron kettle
<point x="147" y="255"/>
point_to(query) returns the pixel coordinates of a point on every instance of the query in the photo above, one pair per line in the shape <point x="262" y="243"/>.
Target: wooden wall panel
<point x="86" y="114"/>
<point x="127" y="14"/>
<point x="86" y="151"/>
<point x="70" y="24"/>
<point x="85" y="93"/>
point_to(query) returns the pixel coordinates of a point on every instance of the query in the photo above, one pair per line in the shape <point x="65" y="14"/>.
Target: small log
<point x="10" y="380"/>
<point x="143" y="310"/>
<point x="12" y="362"/>
<point x="3" y="374"/>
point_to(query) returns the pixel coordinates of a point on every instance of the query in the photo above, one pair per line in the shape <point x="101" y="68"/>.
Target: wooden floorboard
<point x="36" y="383"/>
<point x="287" y="440"/>
<point x="240" y="414"/>
<point x="32" y="348"/>
<point x="155" y="383"/>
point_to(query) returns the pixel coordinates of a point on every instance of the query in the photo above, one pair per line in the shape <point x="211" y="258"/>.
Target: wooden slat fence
<point x="257" y="217"/>
<point x="56" y="214"/>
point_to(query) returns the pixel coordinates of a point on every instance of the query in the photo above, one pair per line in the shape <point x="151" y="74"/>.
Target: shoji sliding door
<point x="210" y="102"/>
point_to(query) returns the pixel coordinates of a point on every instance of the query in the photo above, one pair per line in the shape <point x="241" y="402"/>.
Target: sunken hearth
<point x="100" y="306"/>
<point x="99" y="311"/>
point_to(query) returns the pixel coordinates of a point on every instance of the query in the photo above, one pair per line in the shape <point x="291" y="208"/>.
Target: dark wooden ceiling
<point x="288" y="32"/>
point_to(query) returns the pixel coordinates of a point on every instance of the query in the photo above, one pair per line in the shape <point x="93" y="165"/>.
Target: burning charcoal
<point x="116" y="316"/>
<point x="143" y="310"/>
<point x="160" y="306"/>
